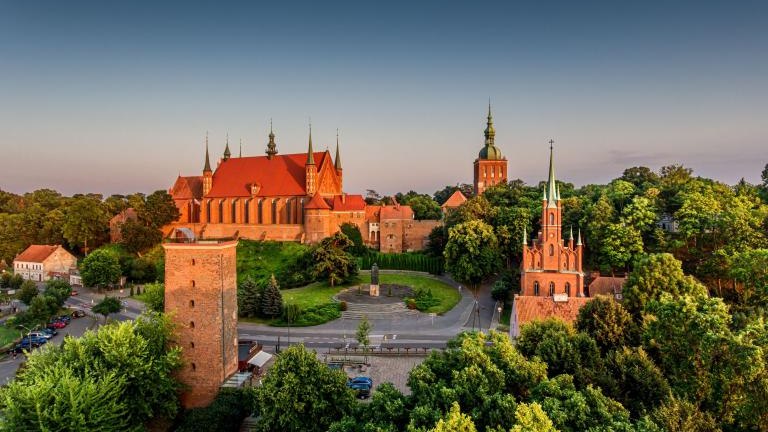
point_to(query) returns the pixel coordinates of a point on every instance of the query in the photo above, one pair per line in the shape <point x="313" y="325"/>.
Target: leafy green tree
<point x="249" y="298"/>
<point x="114" y="379"/>
<point x="332" y="260"/>
<point x="301" y="394"/>
<point x="679" y="415"/>
<point x="137" y="237"/>
<point x="363" y="335"/>
<point x="653" y="275"/>
<point x="27" y="292"/>
<point x="455" y="421"/>
<point x="750" y="268"/>
<point x="438" y="237"/>
<point x="271" y="299"/>
<point x="58" y="289"/>
<point x="607" y="322"/>
<point x="599" y="216"/>
<point x="620" y="193"/>
<point x="100" y="269"/>
<point x="442" y="195"/>
<point x="158" y="209"/>
<point x="621" y="244"/>
<point x="424" y="207"/>
<point x="107" y="306"/>
<point x="641" y="177"/>
<point x="85" y="221"/>
<point x="41" y="308"/>
<point x="532" y="418"/>
<point x="154" y="296"/>
<point x="225" y="414"/>
<point x="639" y="384"/>
<point x="472" y="254"/>
<point x="573" y="410"/>
<point x="353" y="233"/>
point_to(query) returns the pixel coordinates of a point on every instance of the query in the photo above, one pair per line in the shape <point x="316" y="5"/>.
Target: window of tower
<point x="551" y="218"/>
<point x="194" y="366"/>
<point x="551" y="289"/>
<point x="551" y="250"/>
<point x="191" y="303"/>
<point x="193" y="261"/>
<point x="191" y="344"/>
<point x="191" y="324"/>
<point x="193" y="284"/>
<point x="536" y="288"/>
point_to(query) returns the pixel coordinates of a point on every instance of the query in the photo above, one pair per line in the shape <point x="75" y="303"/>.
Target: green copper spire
<point x="337" y="163"/>
<point x="227" y="153"/>
<point x="525" y="236"/>
<point x="207" y="167"/>
<point x="578" y="242"/>
<point x="490" y="151"/>
<point x="271" y="146"/>
<point x="310" y="151"/>
<point x="552" y="195"/>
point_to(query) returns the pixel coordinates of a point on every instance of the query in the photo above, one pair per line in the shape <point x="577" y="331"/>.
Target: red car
<point x="57" y="324"/>
<point x="74" y="293"/>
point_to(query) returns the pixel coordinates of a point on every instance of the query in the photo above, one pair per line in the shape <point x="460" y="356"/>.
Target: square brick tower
<point x="201" y="293"/>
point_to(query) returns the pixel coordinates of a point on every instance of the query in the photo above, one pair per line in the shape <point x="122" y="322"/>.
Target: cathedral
<point x="286" y="197"/>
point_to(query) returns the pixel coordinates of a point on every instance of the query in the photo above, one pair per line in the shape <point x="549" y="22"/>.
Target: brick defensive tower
<point x="201" y="293"/>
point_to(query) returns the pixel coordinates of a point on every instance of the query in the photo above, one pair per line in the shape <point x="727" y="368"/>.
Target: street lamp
<point x="29" y="333"/>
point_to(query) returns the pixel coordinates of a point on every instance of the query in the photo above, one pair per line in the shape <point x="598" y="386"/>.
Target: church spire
<point x="490" y="132"/>
<point x="207" y="166"/>
<point x="337" y="162"/>
<point x="241" y="147"/>
<point x="271" y="146"/>
<point x="310" y="151"/>
<point x="227" y="153"/>
<point x="552" y="195"/>
<point x="578" y="242"/>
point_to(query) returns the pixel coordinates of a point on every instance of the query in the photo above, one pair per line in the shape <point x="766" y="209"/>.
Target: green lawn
<point x="261" y="259"/>
<point x="448" y="295"/>
<point x="8" y="335"/>
<point x="314" y="294"/>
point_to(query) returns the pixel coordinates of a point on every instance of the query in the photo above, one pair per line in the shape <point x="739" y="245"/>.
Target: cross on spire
<point x="551" y="142"/>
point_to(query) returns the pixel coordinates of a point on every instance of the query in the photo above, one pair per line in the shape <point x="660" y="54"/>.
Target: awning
<point x="260" y="359"/>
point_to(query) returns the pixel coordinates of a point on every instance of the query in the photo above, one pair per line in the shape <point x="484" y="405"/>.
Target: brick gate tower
<point x="201" y="293"/>
<point x="490" y="165"/>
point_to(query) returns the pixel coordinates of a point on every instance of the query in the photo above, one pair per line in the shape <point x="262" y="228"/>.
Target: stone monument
<point x="373" y="290"/>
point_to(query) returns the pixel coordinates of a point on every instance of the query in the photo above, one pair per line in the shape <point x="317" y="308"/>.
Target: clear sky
<point x="116" y="97"/>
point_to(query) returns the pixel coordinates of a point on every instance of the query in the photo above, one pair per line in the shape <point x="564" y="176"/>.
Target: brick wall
<point x="201" y="294"/>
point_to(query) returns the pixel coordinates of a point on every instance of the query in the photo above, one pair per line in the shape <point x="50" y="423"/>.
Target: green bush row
<point x="309" y="317"/>
<point x="402" y="261"/>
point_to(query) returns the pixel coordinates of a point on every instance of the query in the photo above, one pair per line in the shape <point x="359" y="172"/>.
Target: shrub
<point x="343" y="306"/>
<point x="225" y="413"/>
<point x="423" y="299"/>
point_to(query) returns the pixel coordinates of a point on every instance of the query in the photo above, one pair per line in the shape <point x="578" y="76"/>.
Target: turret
<point x="309" y="168"/>
<point x="337" y="162"/>
<point x="207" y="172"/>
<point x="271" y="145"/>
<point x="227" y="153"/>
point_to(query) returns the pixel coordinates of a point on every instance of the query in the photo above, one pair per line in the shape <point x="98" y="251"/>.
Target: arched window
<point x="234" y="211"/>
<point x="247" y="211"/>
<point x="536" y="288"/>
<point x="551" y="218"/>
<point x="260" y="213"/>
<point x="568" y="288"/>
<point x="551" y="289"/>
<point x="208" y="211"/>
<point x="274" y="212"/>
<point x="551" y="250"/>
<point x="289" y="211"/>
<point x="221" y="211"/>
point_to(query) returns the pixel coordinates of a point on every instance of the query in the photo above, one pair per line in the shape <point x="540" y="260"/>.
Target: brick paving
<point x="382" y="369"/>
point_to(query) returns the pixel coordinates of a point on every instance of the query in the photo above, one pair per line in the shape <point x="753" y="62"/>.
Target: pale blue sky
<point x="116" y="98"/>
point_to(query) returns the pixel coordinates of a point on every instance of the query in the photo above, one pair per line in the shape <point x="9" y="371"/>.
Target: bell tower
<point x="490" y="165"/>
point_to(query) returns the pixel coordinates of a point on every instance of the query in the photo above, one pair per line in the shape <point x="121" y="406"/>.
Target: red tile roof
<point x="532" y="308"/>
<point x="283" y="175"/>
<point x="348" y="203"/>
<point x="372" y="213"/>
<point x="606" y="285"/>
<point x="188" y="188"/>
<point x="36" y="253"/>
<point x="455" y="200"/>
<point x="396" y="212"/>
<point x="317" y="203"/>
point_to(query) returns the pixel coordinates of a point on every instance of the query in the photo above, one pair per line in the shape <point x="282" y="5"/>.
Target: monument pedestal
<point x="373" y="290"/>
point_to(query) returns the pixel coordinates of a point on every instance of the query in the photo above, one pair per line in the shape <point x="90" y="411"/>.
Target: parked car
<point x="74" y="293"/>
<point x="362" y="390"/>
<point x="65" y="318"/>
<point x="56" y="324"/>
<point x="24" y="345"/>
<point x="78" y="313"/>
<point x="40" y="334"/>
<point x="362" y="380"/>
<point x="35" y="341"/>
<point x="51" y="332"/>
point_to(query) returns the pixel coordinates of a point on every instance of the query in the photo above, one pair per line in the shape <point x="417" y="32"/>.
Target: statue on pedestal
<point x="374" y="288"/>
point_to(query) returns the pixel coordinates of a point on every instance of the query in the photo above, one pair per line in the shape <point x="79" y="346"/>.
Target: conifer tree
<point x="249" y="298"/>
<point x="271" y="299"/>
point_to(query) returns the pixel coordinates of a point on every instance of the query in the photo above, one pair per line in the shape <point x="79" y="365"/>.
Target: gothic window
<point x="551" y="218"/>
<point x="567" y="258"/>
<point x="551" y="289"/>
<point x="234" y="211"/>
<point x="260" y="214"/>
<point x="288" y="211"/>
<point x="551" y="250"/>
<point x="274" y="212"/>
<point x="208" y="211"/>
<point x="221" y="211"/>
<point x="536" y="288"/>
<point x="247" y="211"/>
<point x="568" y="288"/>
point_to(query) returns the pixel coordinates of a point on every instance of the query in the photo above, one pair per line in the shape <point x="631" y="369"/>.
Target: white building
<point x="40" y="262"/>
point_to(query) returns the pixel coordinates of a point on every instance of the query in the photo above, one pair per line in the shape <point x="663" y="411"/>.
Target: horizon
<point x="121" y="96"/>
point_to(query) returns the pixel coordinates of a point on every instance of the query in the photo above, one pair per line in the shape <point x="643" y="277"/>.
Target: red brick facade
<point x="268" y="198"/>
<point x="201" y="296"/>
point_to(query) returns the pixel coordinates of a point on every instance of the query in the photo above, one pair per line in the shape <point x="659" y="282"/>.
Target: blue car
<point x="362" y="380"/>
<point x="361" y="385"/>
<point x="36" y="341"/>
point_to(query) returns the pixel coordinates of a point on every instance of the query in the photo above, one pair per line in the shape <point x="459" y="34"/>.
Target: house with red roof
<point x="42" y="262"/>
<point x="284" y="197"/>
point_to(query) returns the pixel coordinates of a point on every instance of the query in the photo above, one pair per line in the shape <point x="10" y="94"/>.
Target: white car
<point x="41" y="335"/>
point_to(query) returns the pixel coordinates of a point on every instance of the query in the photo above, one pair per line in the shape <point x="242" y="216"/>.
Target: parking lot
<point x="383" y="369"/>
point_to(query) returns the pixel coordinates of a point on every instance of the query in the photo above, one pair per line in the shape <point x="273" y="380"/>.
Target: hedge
<point x="402" y="261"/>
